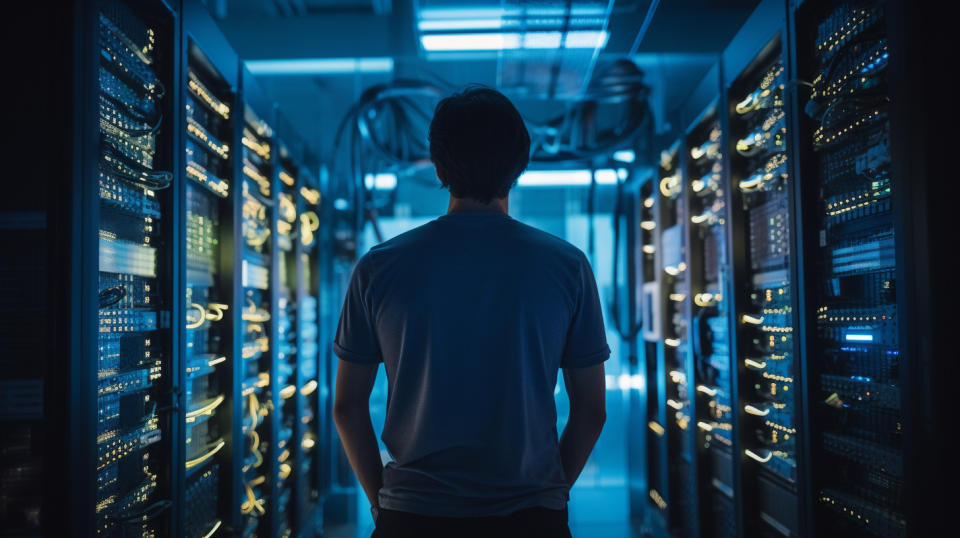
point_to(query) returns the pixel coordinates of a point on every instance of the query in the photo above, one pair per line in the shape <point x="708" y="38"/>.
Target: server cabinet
<point x="312" y="382"/>
<point x="649" y="280"/>
<point x="142" y="288"/>
<point x="123" y="417"/>
<point x="764" y="258"/>
<point x="674" y="278"/>
<point x="710" y="364"/>
<point x="858" y="202"/>
<point x="289" y="324"/>
<point x="210" y="396"/>
<point x="262" y="372"/>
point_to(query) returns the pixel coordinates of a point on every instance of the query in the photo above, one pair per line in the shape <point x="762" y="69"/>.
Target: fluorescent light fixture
<point x="855" y="337"/>
<point x="319" y="66"/>
<point x="586" y="40"/>
<point x="513" y="41"/>
<point x="542" y="40"/>
<point x="566" y="178"/>
<point x="492" y="41"/>
<point x="460" y="24"/>
<point x="464" y="13"/>
<point x="606" y="176"/>
<point x="381" y="182"/>
<point x="625" y="156"/>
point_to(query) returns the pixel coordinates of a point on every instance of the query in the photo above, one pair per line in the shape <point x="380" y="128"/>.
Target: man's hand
<point x="351" y="413"/>
<point x="586" y="388"/>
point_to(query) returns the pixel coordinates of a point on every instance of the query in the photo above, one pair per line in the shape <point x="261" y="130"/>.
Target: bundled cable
<point x="387" y="128"/>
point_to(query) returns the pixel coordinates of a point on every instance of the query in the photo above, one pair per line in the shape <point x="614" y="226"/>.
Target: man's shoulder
<point x="409" y="240"/>
<point x="546" y="242"/>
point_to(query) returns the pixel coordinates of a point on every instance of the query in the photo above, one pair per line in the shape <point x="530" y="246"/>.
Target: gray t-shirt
<point x="472" y="314"/>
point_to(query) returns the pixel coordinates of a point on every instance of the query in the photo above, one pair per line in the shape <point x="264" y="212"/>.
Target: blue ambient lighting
<point x="381" y="182"/>
<point x="319" y="66"/>
<point x="857" y="337"/>
<point x="625" y="156"/>
<point x="341" y="204"/>
<point x="566" y="178"/>
<point x="461" y="24"/>
<point x="512" y="41"/>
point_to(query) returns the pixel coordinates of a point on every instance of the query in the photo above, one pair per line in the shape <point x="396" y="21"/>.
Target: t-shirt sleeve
<point x="586" y="337"/>
<point x="356" y="339"/>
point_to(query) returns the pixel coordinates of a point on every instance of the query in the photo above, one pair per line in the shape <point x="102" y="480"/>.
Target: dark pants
<point x="534" y="522"/>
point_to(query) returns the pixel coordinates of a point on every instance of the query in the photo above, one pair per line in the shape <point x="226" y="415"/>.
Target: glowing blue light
<point x="381" y="182"/>
<point x="857" y="337"/>
<point x="341" y="204"/>
<point x="625" y="156"/>
<point x="464" y="13"/>
<point x="461" y="24"/>
<point x="319" y="66"/>
<point x="512" y="41"/>
<point x="566" y="178"/>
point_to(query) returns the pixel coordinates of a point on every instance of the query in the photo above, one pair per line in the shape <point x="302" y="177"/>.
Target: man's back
<point x="472" y="314"/>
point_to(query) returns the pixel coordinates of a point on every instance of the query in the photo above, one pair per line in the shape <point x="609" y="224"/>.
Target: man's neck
<point x="464" y="205"/>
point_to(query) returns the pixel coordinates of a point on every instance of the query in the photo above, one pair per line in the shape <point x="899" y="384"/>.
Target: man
<point x="473" y="315"/>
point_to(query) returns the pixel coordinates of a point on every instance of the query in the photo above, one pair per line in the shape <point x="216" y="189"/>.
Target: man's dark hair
<point x="478" y="143"/>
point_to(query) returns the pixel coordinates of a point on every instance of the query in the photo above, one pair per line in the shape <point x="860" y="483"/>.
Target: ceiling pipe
<point x="647" y="19"/>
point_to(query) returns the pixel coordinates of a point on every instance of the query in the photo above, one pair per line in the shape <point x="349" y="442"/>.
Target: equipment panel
<point x="854" y="357"/>
<point x="259" y="376"/>
<point x="134" y="340"/>
<point x="766" y="359"/>
<point x="209" y="301"/>
<point x="712" y="369"/>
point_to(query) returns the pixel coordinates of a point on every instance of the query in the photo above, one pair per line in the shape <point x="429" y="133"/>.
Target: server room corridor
<point x="196" y="190"/>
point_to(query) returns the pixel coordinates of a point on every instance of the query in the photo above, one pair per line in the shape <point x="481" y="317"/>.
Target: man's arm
<point x="351" y="413"/>
<point x="586" y="388"/>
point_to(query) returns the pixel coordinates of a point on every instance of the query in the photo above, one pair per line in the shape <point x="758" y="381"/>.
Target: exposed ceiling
<point x="679" y="44"/>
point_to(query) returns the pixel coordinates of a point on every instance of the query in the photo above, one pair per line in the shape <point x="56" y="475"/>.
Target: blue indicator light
<point x="856" y="337"/>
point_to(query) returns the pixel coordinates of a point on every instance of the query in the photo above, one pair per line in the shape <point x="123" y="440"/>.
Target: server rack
<point x="126" y="286"/>
<point x="262" y="372"/>
<point x="651" y="306"/>
<point x="827" y="269"/>
<point x="765" y="262"/>
<point x="211" y="324"/>
<point x="711" y="367"/>
<point x="312" y="373"/>
<point x="869" y="383"/>
<point x="122" y="418"/>
<point x="675" y="346"/>
<point x="289" y="327"/>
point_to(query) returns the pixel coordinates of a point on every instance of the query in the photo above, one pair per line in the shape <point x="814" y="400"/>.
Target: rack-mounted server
<point x="835" y="372"/>
<point x="311" y="374"/>
<point x="711" y="368"/>
<point x="651" y="306"/>
<point x="764" y="265"/>
<point x="672" y="229"/>
<point x="134" y="378"/>
<point x="856" y="366"/>
<point x="123" y="411"/>
<point x="258" y="328"/>
<point x="209" y="307"/>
